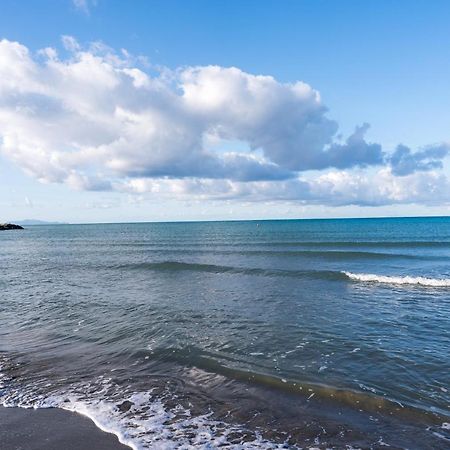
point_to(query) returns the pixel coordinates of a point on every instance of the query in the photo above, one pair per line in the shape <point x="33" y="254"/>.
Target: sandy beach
<point x="52" y="429"/>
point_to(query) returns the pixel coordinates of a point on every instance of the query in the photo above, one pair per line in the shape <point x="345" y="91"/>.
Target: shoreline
<point x="52" y="429"/>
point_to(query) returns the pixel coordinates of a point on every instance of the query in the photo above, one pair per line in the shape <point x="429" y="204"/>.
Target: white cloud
<point x="380" y="188"/>
<point x="334" y="188"/>
<point x="84" y="5"/>
<point x="97" y="120"/>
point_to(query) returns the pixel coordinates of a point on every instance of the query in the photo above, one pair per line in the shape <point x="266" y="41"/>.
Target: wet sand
<point x="52" y="429"/>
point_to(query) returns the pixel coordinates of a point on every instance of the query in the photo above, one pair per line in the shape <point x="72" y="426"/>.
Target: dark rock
<point x="125" y="406"/>
<point x="10" y="226"/>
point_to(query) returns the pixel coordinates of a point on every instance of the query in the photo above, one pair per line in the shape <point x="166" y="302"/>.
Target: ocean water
<point x="236" y="335"/>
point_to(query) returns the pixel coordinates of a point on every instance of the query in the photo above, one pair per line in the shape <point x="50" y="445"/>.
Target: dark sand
<point x="52" y="429"/>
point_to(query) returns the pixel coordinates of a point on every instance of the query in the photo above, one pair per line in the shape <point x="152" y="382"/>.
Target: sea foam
<point x="422" y="281"/>
<point x="147" y="422"/>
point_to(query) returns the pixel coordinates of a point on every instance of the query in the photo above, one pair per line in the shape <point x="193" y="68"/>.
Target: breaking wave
<point x="142" y="420"/>
<point x="422" y="281"/>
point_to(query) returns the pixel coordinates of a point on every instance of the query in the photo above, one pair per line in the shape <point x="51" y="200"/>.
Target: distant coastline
<point x="28" y="222"/>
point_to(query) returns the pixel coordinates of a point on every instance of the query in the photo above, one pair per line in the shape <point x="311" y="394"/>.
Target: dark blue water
<point x="312" y="333"/>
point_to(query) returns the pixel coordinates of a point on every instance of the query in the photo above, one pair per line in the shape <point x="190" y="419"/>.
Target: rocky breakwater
<point x="10" y="226"/>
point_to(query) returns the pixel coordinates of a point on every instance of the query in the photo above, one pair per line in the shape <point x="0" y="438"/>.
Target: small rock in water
<point x="125" y="406"/>
<point x="10" y="226"/>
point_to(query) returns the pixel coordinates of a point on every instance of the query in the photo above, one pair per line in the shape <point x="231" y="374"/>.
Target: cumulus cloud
<point x="97" y="119"/>
<point x="355" y="152"/>
<point x="404" y="162"/>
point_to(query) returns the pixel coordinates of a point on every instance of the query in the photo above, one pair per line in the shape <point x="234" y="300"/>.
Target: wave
<point x="177" y="266"/>
<point x="365" y="398"/>
<point x="142" y="420"/>
<point x="422" y="281"/>
<point x="154" y="419"/>
<point x="158" y="418"/>
<point x="325" y="254"/>
<point x="329" y="275"/>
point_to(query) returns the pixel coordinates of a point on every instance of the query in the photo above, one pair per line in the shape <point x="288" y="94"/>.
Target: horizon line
<point x="57" y="223"/>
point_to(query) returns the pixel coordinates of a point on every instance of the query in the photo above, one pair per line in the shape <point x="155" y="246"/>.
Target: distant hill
<point x="27" y="222"/>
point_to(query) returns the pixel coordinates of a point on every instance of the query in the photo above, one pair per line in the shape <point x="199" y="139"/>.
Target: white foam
<point x="422" y="281"/>
<point x="147" y="424"/>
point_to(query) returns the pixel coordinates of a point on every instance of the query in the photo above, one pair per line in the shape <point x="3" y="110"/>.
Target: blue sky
<point x="383" y="63"/>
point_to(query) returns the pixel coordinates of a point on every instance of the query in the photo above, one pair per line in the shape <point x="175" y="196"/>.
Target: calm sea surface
<point x="271" y="334"/>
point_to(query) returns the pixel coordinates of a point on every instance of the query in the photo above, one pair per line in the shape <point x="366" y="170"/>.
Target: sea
<point x="283" y="334"/>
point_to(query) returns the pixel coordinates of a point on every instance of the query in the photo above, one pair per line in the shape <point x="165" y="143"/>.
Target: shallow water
<point x="315" y="333"/>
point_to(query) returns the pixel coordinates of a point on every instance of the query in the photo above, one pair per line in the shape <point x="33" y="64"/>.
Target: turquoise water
<point x="308" y="333"/>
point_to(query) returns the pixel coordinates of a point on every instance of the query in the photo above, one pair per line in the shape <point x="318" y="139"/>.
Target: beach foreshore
<point x="52" y="429"/>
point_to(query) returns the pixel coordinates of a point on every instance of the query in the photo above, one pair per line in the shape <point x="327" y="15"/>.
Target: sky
<point x="117" y="111"/>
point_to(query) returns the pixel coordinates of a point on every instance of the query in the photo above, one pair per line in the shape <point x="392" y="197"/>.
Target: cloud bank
<point x="96" y="119"/>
